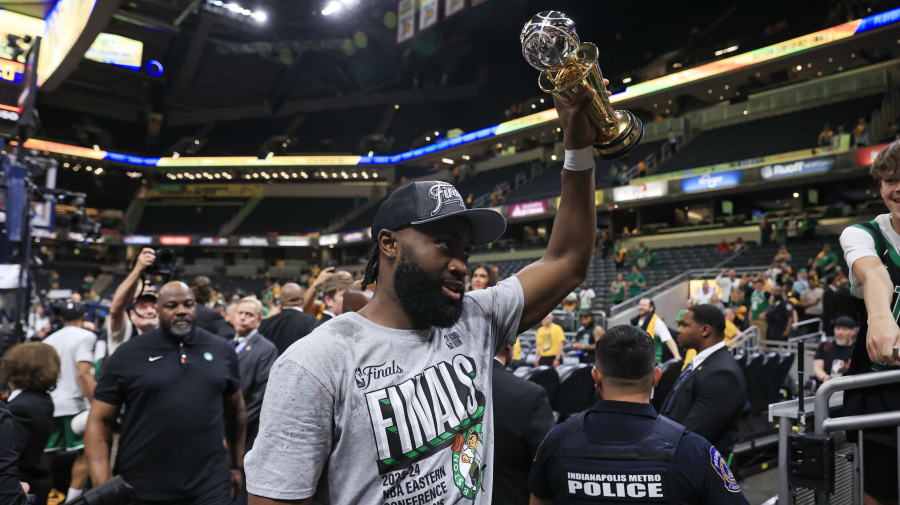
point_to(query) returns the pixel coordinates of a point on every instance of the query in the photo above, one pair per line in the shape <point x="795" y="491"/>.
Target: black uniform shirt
<point x="171" y="444"/>
<point x="695" y="479"/>
<point x="779" y="312"/>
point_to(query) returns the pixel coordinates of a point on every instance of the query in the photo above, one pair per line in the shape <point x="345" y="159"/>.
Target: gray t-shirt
<point x="359" y="413"/>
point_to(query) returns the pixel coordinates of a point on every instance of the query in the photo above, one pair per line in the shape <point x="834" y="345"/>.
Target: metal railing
<point x="825" y="424"/>
<point x="697" y="272"/>
<point x="747" y="340"/>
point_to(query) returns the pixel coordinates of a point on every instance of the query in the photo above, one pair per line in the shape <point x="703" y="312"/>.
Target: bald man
<point x="292" y="323"/>
<point x="183" y="391"/>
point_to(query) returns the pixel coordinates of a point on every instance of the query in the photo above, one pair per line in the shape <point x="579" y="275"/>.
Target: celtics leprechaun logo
<point x="468" y="461"/>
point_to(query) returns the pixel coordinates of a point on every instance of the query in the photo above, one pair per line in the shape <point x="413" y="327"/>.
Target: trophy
<point x="567" y="65"/>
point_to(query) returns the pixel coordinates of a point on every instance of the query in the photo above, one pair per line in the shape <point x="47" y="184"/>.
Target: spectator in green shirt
<point x="617" y="288"/>
<point x="636" y="282"/>
<point x="759" y="304"/>
<point x="781" y="230"/>
<point x="826" y="262"/>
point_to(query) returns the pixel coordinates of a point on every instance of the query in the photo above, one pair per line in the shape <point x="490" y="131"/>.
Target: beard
<point x="422" y="298"/>
<point x="179" y="332"/>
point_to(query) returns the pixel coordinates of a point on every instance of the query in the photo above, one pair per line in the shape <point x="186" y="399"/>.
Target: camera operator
<point x="141" y="312"/>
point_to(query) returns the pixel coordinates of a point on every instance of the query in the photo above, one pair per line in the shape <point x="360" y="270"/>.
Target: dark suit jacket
<point x="522" y="417"/>
<point x="711" y="399"/>
<point x="287" y="327"/>
<point x="254" y="362"/>
<point x="213" y="322"/>
<point x="11" y="492"/>
<point x="32" y="413"/>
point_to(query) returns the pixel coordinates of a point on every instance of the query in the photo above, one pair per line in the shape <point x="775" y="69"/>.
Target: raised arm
<point x="309" y="297"/>
<point x="125" y="291"/>
<point x="565" y="264"/>
<point x="878" y="289"/>
<point x="98" y="439"/>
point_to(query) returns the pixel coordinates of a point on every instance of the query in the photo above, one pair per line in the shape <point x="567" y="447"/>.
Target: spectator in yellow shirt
<point x="549" y="342"/>
<point x="731" y="330"/>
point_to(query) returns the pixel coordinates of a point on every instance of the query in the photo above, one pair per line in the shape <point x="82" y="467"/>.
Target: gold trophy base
<point x="618" y="131"/>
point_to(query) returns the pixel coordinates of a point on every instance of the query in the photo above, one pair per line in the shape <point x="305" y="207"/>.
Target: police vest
<point x="610" y="472"/>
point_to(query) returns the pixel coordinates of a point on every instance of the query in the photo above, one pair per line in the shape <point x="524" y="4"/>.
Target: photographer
<point x="142" y="316"/>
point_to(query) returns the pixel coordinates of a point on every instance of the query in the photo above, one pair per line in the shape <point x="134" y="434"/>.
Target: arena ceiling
<point x="224" y="67"/>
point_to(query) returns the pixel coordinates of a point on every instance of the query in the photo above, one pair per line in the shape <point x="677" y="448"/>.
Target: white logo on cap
<point x="444" y="193"/>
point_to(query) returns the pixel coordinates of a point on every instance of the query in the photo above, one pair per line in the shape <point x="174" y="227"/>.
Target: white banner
<point x="428" y="14"/>
<point x="406" y="20"/>
<point x="453" y="6"/>
<point x="640" y="191"/>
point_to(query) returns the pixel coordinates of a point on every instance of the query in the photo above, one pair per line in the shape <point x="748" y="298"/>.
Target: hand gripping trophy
<point x="567" y="65"/>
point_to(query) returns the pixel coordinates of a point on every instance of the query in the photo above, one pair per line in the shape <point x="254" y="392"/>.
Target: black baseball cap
<point x="427" y="201"/>
<point x="845" y="322"/>
<point x="71" y="311"/>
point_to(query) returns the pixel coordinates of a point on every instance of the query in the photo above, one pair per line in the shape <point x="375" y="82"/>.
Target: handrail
<point x="810" y="321"/>
<point x="751" y="336"/>
<point x="626" y="304"/>
<point x="826" y="390"/>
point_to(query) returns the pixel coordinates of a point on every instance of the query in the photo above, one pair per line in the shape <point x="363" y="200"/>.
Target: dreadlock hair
<point x="372" y="267"/>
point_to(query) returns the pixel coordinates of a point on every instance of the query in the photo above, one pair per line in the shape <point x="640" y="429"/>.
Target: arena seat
<point x="776" y="134"/>
<point x="761" y="388"/>
<point x="576" y="390"/>
<point x="779" y="375"/>
<point x="523" y="370"/>
<point x="741" y="359"/>
<point x="292" y="215"/>
<point x="198" y="219"/>
<point x="544" y="376"/>
<point x="752" y="374"/>
<point x="671" y="369"/>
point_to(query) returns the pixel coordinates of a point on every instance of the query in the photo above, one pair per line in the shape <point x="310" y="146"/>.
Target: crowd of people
<point x="396" y="387"/>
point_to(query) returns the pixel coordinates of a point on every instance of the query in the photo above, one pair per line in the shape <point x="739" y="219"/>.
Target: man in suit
<point x="208" y="318"/>
<point x="522" y="417"/>
<point x="255" y="358"/>
<point x="710" y="393"/>
<point x="291" y="324"/>
<point x="837" y="301"/>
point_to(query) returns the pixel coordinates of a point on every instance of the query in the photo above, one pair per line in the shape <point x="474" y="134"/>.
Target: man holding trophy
<point x="392" y="404"/>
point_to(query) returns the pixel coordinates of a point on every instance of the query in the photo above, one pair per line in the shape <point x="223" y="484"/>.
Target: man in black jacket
<point x="522" y="418"/>
<point x="292" y="323"/>
<point x="710" y="393"/>
<point x="836" y="301"/>
<point x="207" y="318"/>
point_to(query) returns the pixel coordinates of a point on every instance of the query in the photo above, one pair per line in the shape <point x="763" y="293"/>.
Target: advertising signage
<point x="175" y="239"/>
<point x="712" y="181"/>
<point x="528" y="208"/>
<point x="800" y="167"/>
<point x="137" y="239"/>
<point x="866" y="155"/>
<point x="253" y="241"/>
<point x="292" y="241"/>
<point x="640" y="191"/>
<point x="218" y="241"/>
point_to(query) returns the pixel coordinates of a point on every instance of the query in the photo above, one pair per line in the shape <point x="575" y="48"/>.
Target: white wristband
<point x="579" y="160"/>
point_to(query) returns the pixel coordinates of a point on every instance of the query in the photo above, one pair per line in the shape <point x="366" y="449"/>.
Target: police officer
<point x="587" y="337"/>
<point x="780" y="315"/>
<point x="620" y="451"/>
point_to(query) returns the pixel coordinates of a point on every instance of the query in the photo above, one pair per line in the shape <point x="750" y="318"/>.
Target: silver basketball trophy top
<point x="548" y="40"/>
<point x="568" y="66"/>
